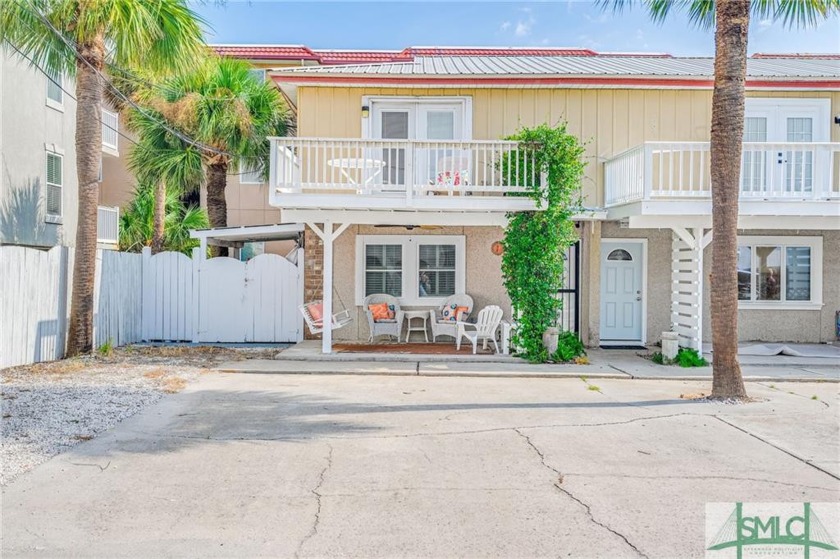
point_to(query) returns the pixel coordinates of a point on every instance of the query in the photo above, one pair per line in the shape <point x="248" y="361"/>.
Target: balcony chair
<point x="452" y="175"/>
<point x="391" y="326"/>
<point x="483" y="330"/>
<point x="445" y="318"/>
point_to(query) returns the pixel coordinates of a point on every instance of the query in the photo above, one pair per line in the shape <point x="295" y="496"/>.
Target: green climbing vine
<point x="535" y="242"/>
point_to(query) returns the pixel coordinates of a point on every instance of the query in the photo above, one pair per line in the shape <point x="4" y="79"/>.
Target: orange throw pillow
<point x="380" y="312"/>
<point x="459" y="310"/>
<point x="316" y="312"/>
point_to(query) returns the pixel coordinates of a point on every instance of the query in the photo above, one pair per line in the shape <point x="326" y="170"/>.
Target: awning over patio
<point x="235" y="237"/>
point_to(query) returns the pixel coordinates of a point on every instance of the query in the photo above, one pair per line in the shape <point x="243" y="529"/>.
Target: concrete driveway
<point x="370" y="466"/>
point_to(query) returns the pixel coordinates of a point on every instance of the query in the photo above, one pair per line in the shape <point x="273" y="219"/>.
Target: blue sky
<point x="562" y="23"/>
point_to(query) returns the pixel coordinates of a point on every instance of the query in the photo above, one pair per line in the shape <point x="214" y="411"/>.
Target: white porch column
<point x="328" y="235"/>
<point x="327" y="270"/>
<point x="687" y="285"/>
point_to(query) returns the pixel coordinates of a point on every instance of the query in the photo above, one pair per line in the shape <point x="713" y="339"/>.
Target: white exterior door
<point x="784" y="170"/>
<point x="433" y="120"/>
<point x="622" y="292"/>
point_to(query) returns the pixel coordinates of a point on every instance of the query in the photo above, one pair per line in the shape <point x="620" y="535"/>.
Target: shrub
<point x="687" y="357"/>
<point x="569" y="348"/>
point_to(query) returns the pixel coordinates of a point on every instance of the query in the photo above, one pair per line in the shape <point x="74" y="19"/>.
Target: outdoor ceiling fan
<point x="412" y="227"/>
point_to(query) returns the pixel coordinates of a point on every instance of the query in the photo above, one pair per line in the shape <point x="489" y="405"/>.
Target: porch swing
<point x="313" y="314"/>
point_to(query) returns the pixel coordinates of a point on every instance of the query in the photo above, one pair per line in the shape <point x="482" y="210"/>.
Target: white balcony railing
<point x="108" y="225"/>
<point x="680" y="170"/>
<point x="110" y="126"/>
<point x="413" y="171"/>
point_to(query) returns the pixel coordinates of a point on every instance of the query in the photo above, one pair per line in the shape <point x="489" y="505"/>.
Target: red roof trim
<point x="570" y="80"/>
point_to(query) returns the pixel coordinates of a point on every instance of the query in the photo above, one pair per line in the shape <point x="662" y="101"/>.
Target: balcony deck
<point x="787" y="181"/>
<point x="361" y="175"/>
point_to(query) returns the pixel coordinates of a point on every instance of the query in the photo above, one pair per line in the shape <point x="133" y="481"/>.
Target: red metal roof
<point x="266" y="52"/>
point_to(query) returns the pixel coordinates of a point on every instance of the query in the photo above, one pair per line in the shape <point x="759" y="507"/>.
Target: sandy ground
<point x="49" y="407"/>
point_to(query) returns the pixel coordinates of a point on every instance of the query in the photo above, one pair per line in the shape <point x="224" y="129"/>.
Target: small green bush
<point x="687" y="357"/>
<point x="106" y="349"/>
<point x="569" y="347"/>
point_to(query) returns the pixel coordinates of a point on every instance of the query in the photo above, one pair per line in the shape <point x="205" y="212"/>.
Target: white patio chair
<point x="484" y="329"/>
<point x="442" y="326"/>
<point x="387" y="327"/>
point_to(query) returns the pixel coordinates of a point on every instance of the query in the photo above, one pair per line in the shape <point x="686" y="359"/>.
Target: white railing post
<point x="409" y="172"/>
<point x="647" y="184"/>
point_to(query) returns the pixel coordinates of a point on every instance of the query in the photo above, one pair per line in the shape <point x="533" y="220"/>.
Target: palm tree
<point x="731" y="20"/>
<point x="166" y="161"/>
<point x="137" y="222"/>
<point x="231" y="113"/>
<point x="77" y="38"/>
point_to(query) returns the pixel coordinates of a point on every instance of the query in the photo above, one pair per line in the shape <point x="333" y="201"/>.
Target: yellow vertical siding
<point x="608" y="121"/>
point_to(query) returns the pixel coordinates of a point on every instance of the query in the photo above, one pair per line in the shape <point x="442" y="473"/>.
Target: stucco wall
<point x="483" y="270"/>
<point x="27" y="126"/>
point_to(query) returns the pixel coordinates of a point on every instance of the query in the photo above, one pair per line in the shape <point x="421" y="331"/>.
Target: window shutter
<point x="55" y="181"/>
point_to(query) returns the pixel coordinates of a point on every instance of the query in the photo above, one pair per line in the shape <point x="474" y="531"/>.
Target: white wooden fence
<point x="166" y="297"/>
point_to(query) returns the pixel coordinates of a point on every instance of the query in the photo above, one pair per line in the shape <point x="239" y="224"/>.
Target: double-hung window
<point x="55" y="95"/>
<point x="780" y="272"/>
<point x="55" y="182"/>
<point x="418" y="269"/>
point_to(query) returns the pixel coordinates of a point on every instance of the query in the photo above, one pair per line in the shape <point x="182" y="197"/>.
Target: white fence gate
<point x="253" y="301"/>
<point x="221" y="299"/>
<point x="165" y="297"/>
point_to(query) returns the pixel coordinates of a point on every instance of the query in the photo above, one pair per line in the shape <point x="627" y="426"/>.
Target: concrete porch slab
<point x="310" y="350"/>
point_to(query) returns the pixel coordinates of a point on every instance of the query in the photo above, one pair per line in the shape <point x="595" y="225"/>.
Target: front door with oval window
<point x="622" y="292"/>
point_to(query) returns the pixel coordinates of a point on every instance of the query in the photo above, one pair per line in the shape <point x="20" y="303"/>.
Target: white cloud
<point x="523" y="28"/>
<point x="765" y="23"/>
<point x="504" y="26"/>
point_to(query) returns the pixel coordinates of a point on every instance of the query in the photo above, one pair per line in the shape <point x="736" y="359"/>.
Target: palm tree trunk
<point x="732" y="22"/>
<point x="88" y="156"/>
<point x="216" y="202"/>
<point x="159" y="217"/>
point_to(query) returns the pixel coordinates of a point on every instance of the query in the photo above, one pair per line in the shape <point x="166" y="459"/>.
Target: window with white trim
<point x="55" y="94"/>
<point x="55" y="182"/>
<point x="250" y="173"/>
<point x="418" y="269"/>
<point x="779" y="272"/>
<point x="257" y="73"/>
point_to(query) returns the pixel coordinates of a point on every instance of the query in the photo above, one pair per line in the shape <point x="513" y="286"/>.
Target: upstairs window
<point x="55" y="183"/>
<point x="55" y="95"/>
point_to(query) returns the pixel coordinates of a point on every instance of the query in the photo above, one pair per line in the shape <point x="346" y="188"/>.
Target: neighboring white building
<point x="38" y="184"/>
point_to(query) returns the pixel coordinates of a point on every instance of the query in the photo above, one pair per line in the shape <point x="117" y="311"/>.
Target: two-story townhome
<point x="38" y="187"/>
<point x="395" y="171"/>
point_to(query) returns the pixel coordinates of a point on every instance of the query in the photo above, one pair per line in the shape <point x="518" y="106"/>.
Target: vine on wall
<point x="535" y="242"/>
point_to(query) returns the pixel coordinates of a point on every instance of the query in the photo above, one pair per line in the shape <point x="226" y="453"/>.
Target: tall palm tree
<point x="77" y="38"/>
<point x="223" y="106"/>
<point x="731" y="20"/>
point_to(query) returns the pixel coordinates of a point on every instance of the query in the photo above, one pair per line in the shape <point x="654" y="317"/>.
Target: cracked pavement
<point x="373" y="466"/>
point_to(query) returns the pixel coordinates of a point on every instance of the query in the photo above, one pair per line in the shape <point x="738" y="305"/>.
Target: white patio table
<point x="358" y="163"/>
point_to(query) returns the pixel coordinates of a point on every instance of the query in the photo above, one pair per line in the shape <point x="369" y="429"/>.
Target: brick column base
<point x="313" y="272"/>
